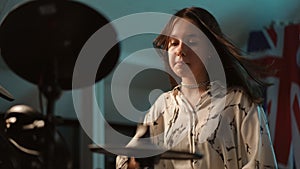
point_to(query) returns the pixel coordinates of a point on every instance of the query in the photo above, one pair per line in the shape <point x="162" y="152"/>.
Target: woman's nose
<point x="180" y="51"/>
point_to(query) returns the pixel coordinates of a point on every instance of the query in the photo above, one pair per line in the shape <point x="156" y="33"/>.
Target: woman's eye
<point x="173" y="43"/>
<point x="192" y="41"/>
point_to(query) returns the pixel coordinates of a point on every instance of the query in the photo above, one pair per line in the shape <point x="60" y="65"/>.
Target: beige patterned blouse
<point x="225" y="126"/>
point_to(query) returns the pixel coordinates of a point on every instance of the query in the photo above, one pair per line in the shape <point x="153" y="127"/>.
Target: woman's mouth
<point x="181" y="63"/>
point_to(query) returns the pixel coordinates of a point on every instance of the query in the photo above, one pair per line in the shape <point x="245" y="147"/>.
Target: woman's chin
<point x="182" y="73"/>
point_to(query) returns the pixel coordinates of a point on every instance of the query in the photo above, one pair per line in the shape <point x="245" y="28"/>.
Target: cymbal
<point x="5" y="94"/>
<point x="40" y="39"/>
<point x="141" y="151"/>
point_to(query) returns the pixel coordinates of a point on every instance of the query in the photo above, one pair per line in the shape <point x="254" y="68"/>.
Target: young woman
<point x="216" y="108"/>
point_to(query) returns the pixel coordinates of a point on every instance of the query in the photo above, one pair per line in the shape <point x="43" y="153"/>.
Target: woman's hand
<point x="133" y="164"/>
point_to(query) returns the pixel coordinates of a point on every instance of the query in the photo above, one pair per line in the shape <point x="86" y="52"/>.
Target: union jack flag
<point x="280" y="45"/>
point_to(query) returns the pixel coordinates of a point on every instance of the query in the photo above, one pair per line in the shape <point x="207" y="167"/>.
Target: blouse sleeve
<point x="155" y="111"/>
<point x="258" y="148"/>
<point x="150" y="119"/>
<point x="121" y="162"/>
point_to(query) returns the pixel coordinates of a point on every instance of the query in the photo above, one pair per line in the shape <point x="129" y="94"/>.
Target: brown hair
<point x="239" y="71"/>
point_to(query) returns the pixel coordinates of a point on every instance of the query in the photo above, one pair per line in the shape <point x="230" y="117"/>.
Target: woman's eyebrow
<point x="172" y="36"/>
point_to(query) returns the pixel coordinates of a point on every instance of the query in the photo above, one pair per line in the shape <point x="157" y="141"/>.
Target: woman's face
<point x="188" y="50"/>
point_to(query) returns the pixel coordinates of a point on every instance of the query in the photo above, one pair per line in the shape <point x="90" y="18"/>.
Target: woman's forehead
<point x="185" y="27"/>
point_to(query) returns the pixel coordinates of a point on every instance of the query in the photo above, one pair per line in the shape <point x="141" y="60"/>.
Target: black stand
<point x="51" y="90"/>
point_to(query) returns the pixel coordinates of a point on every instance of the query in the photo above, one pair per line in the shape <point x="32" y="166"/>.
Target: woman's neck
<point x="193" y="89"/>
<point x="193" y="83"/>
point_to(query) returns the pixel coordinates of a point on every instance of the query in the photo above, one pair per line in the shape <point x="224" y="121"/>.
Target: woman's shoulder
<point x="238" y="95"/>
<point x="165" y="95"/>
<point x="169" y="94"/>
<point x="162" y="99"/>
<point x="232" y="94"/>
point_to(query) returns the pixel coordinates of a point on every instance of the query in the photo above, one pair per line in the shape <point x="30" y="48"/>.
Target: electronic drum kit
<point x="40" y="41"/>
